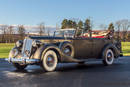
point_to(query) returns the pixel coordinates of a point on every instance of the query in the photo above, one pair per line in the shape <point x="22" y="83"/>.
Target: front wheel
<point x="19" y="66"/>
<point x="14" y="53"/>
<point x="108" y="57"/>
<point x="49" y="61"/>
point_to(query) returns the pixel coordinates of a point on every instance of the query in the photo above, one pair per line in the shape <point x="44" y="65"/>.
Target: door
<point x="83" y="47"/>
<point x="98" y="44"/>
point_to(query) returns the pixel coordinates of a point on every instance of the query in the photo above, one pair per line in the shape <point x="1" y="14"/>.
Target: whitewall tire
<point x="108" y="57"/>
<point x="49" y="61"/>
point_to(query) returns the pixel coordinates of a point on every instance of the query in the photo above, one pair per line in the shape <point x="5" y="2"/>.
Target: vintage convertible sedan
<point x="63" y="47"/>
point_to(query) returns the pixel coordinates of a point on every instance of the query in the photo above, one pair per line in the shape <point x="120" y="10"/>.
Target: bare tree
<point x="3" y="29"/>
<point x="118" y="28"/>
<point x="10" y="30"/>
<point x="57" y="27"/>
<point x="10" y="33"/>
<point x="21" y="31"/>
<point x="41" y="28"/>
<point x="48" y="32"/>
<point x="123" y="26"/>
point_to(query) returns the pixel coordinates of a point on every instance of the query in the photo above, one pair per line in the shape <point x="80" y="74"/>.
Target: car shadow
<point x="70" y="67"/>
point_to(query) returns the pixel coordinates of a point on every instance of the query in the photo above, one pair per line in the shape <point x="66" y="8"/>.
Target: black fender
<point x="113" y="48"/>
<point x="44" y="48"/>
<point x="62" y="43"/>
<point x="15" y="52"/>
<point x="61" y="56"/>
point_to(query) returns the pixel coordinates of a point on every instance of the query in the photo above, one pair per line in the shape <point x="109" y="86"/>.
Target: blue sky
<point x="32" y="12"/>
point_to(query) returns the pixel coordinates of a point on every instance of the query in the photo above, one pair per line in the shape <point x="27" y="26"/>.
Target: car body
<point x="63" y="46"/>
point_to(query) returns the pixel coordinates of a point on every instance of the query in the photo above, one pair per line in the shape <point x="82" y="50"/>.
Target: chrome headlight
<point x="19" y="43"/>
<point x="36" y="43"/>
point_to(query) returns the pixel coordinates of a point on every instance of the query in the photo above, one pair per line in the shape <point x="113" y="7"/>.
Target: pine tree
<point x="64" y="24"/>
<point x="80" y="24"/>
<point x="111" y="27"/>
<point x="68" y="24"/>
<point x="87" y="25"/>
<point x="74" y="25"/>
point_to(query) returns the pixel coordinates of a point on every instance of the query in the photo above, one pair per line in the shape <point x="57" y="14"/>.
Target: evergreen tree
<point x="64" y="24"/>
<point x="68" y="24"/>
<point x="87" y="25"/>
<point x="80" y="24"/>
<point x="74" y="25"/>
<point x="111" y="27"/>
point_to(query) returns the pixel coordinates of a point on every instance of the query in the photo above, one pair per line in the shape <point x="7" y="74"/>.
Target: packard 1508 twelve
<point x="63" y="46"/>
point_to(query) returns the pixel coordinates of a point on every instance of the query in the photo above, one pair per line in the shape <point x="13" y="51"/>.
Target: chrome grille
<point x="27" y="46"/>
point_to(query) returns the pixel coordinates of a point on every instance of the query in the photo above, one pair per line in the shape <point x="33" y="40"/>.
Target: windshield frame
<point x="64" y="33"/>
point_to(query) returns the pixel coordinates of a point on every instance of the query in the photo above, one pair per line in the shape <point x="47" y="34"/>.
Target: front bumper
<point x="23" y="60"/>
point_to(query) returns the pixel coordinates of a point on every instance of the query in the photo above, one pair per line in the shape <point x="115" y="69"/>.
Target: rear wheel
<point x="108" y="57"/>
<point x="49" y="61"/>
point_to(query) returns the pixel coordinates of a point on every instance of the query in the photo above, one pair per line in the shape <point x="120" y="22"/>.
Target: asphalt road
<point x="91" y="74"/>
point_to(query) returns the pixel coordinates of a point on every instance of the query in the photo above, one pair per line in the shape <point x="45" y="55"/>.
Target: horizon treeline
<point x="121" y="27"/>
<point x="8" y="33"/>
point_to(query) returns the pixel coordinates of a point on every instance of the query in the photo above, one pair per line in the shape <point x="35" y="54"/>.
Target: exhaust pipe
<point x="23" y="60"/>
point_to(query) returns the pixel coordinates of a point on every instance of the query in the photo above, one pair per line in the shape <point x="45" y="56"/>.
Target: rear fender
<point x="113" y="48"/>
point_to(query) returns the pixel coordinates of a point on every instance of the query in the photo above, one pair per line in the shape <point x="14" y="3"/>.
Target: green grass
<point x="126" y="48"/>
<point x="6" y="47"/>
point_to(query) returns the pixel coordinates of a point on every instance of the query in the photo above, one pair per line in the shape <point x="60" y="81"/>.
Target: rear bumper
<point x="23" y="60"/>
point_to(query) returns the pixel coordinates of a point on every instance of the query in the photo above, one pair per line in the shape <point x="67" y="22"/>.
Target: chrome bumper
<point x="23" y="60"/>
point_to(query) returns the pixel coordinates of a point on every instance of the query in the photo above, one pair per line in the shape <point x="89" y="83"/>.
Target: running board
<point x="71" y="59"/>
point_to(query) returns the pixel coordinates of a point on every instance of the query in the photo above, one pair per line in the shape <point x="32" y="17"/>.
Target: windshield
<point x="64" y="33"/>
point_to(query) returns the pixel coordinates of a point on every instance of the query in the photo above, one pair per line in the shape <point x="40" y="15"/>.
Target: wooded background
<point x="10" y="34"/>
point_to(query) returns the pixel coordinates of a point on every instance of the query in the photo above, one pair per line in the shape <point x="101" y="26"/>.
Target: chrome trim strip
<point x="22" y="60"/>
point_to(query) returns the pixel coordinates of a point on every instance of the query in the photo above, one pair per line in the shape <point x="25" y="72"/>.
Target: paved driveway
<point x="91" y="74"/>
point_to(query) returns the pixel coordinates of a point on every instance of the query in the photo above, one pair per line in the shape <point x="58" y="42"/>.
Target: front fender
<point x="44" y="48"/>
<point x="61" y="56"/>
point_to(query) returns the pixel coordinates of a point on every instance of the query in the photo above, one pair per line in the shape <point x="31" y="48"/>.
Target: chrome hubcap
<point x="50" y="60"/>
<point x="109" y="56"/>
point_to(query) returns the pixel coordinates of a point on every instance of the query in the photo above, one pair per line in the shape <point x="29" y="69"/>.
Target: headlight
<point x="19" y="43"/>
<point x="36" y="43"/>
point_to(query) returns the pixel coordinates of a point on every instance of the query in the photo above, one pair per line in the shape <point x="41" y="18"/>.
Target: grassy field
<point x="6" y="47"/>
<point x="126" y="48"/>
